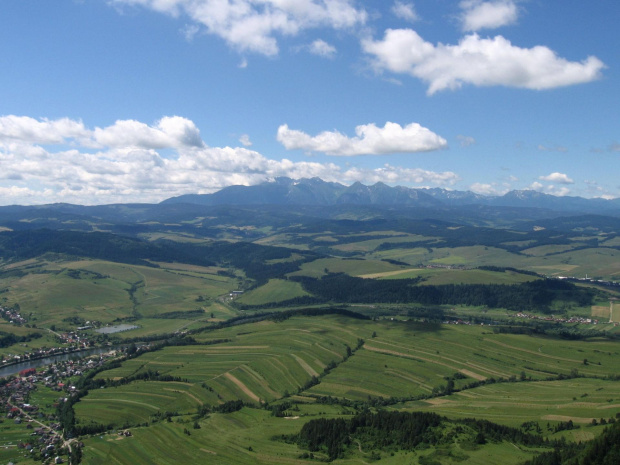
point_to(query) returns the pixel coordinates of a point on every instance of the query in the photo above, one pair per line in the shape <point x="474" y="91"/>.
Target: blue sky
<point x="105" y="101"/>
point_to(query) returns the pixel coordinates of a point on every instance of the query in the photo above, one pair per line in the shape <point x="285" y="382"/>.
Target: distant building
<point x="27" y="372"/>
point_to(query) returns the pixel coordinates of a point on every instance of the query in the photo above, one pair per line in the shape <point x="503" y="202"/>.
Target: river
<point x="14" y="369"/>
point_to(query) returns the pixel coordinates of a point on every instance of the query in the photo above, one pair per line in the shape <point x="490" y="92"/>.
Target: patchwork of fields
<point x="507" y="379"/>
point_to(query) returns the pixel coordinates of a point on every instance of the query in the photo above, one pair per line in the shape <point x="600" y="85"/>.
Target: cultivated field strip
<point x="580" y="400"/>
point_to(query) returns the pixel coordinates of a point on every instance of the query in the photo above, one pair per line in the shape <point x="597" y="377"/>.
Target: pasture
<point x="50" y="292"/>
<point x="545" y="402"/>
<point x="411" y="359"/>
<point x="276" y="290"/>
<point x="137" y="402"/>
<point x="440" y="276"/>
<point x="322" y="266"/>
<point x="247" y="437"/>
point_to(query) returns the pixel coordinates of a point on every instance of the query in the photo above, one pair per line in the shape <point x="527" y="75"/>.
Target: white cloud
<point x="245" y="140"/>
<point x="536" y="186"/>
<point x="406" y="11"/>
<point x="465" y="141"/>
<point x="321" y="48"/>
<point x="43" y="161"/>
<point x="557" y="177"/>
<point x="43" y="131"/>
<point x="252" y="25"/>
<point x="478" y="14"/>
<point x="369" y="140"/>
<point x="397" y="175"/>
<point x="477" y="61"/>
<point x="550" y="189"/>
<point x="170" y="131"/>
<point x="488" y="189"/>
<point x="558" y="191"/>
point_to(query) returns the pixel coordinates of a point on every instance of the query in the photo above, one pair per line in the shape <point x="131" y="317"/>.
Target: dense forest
<point x="535" y="295"/>
<point x="393" y="431"/>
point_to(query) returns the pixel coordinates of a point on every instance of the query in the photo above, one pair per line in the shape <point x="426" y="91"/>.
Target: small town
<point x="557" y="319"/>
<point x="42" y="436"/>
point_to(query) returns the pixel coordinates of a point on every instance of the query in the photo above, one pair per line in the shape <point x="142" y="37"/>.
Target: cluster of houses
<point x="42" y="429"/>
<point x="44" y="440"/>
<point x="77" y="341"/>
<point x="12" y="315"/>
<point x="42" y="352"/>
<point x="600" y="282"/>
<point x="557" y="319"/>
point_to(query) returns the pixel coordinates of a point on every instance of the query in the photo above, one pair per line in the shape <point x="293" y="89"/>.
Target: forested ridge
<point x="535" y="295"/>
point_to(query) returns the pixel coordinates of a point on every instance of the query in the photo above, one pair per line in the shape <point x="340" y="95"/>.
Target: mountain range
<point x="316" y="192"/>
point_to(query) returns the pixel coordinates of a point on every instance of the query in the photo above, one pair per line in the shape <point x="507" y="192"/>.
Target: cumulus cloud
<point x="488" y="189"/>
<point x="397" y="175"/>
<point x="406" y="11"/>
<point x="245" y="140"/>
<point x="550" y="189"/>
<point x="321" y="48"/>
<point x="43" y="161"/>
<point x="170" y="131"/>
<point x="478" y="61"/>
<point x="369" y="140"/>
<point x="253" y="25"/>
<point x="43" y="131"/>
<point x="557" y="177"/>
<point x="488" y="15"/>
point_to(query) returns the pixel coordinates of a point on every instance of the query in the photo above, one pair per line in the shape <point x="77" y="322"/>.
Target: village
<point x="556" y="319"/>
<point x="42" y="438"/>
<point x="73" y="341"/>
<point x="75" y="344"/>
<point x="12" y="315"/>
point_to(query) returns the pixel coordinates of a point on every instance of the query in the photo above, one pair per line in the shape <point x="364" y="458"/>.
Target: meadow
<point x="246" y="437"/>
<point x="50" y="292"/>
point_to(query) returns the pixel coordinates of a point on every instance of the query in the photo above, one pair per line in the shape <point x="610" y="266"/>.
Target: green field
<point x="245" y="437"/>
<point x="318" y="268"/>
<point x="580" y="400"/>
<point x="135" y="403"/>
<point x="276" y="290"/>
<point x="440" y="276"/>
<point x="49" y="292"/>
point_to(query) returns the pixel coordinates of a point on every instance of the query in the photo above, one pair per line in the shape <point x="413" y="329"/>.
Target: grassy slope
<point x="49" y="293"/>
<point x="276" y="290"/>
